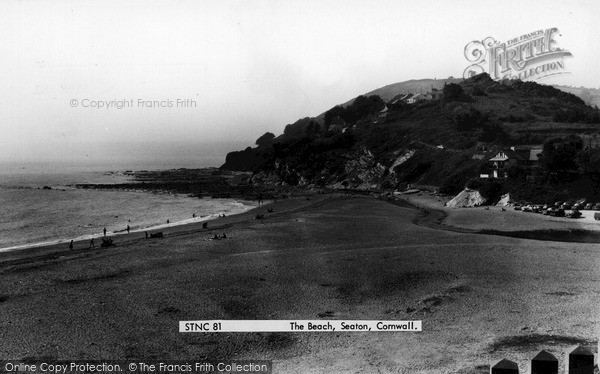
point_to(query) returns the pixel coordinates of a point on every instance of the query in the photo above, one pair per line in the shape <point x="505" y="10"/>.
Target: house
<point x="501" y="161"/>
<point x="485" y="172"/>
<point x="498" y="162"/>
<point x="399" y="99"/>
<point x="590" y="141"/>
<point x="415" y="98"/>
<point x="383" y="112"/>
<point x="337" y="124"/>
<point x="534" y="154"/>
<point x="434" y="94"/>
<point x="530" y="153"/>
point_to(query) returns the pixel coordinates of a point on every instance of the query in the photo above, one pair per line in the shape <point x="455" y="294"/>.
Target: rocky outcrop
<point x="364" y="172"/>
<point x="466" y="198"/>
<point x="402" y="159"/>
<point x="504" y="200"/>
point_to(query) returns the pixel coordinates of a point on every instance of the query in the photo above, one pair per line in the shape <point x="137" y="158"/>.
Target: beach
<point x="317" y="256"/>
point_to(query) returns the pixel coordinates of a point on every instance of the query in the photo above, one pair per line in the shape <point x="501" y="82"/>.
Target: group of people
<point x="128" y="228"/>
<point x="92" y="241"/>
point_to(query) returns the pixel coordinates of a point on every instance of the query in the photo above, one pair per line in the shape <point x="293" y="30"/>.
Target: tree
<point x="266" y="139"/>
<point x="333" y="113"/>
<point x="454" y="92"/>
<point x="561" y="154"/>
<point x="313" y="129"/>
<point x="465" y="118"/>
<point x="365" y="105"/>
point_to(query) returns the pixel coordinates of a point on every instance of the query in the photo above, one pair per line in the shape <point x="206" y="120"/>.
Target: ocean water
<point x="32" y="216"/>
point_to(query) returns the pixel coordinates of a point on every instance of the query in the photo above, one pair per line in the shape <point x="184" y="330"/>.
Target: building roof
<point x="507" y="154"/>
<point x="544" y="356"/>
<point x="534" y="154"/>
<point x="506" y="365"/>
<point x="581" y="351"/>
<point x="399" y="97"/>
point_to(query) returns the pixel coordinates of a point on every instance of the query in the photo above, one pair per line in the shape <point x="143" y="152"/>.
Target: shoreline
<point x="246" y="204"/>
<point x="58" y="249"/>
<point x="110" y="234"/>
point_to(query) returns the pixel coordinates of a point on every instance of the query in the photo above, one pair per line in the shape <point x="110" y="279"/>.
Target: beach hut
<point x="544" y="362"/>
<point x="504" y="366"/>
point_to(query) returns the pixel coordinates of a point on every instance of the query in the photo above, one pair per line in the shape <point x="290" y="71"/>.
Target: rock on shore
<point x="466" y="198"/>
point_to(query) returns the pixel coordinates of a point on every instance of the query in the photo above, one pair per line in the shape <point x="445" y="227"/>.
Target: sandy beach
<point x="480" y="297"/>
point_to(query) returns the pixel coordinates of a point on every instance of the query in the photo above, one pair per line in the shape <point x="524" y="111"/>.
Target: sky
<point x="133" y="80"/>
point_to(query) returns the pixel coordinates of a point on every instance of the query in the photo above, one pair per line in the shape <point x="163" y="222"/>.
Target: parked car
<point x="556" y="212"/>
<point x="588" y="206"/>
<point x="597" y="216"/>
<point x="577" y="206"/>
<point x="527" y="208"/>
<point x="596" y="206"/>
<point x="574" y="214"/>
<point x="517" y="207"/>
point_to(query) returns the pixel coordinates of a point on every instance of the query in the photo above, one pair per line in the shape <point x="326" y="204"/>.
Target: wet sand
<point x="480" y="297"/>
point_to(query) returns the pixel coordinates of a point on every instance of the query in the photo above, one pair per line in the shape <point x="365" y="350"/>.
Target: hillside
<point x="591" y="96"/>
<point x="367" y="144"/>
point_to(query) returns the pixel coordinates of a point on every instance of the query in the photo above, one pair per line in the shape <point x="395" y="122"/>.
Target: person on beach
<point x="224" y="236"/>
<point x="146" y="234"/>
<point x="92" y="245"/>
<point x="168" y="221"/>
<point x="71" y="245"/>
<point x="216" y="237"/>
<point x="128" y="228"/>
<point x="105" y="231"/>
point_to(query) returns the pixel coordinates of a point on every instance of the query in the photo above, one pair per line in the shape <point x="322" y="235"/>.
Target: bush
<point x="266" y="139"/>
<point x="491" y="189"/>
<point x="467" y="118"/>
<point x="454" y="92"/>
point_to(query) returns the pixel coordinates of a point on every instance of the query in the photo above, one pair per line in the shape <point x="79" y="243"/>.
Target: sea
<point x="31" y="215"/>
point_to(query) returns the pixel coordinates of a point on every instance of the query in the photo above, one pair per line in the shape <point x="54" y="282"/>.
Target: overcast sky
<point x="250" y="66"/>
